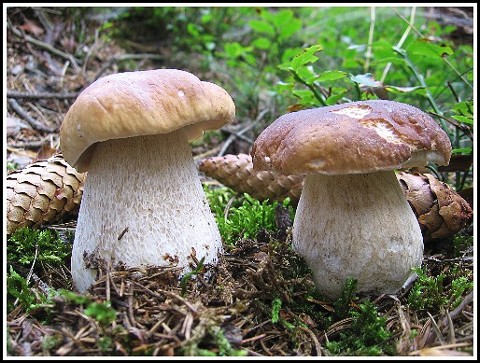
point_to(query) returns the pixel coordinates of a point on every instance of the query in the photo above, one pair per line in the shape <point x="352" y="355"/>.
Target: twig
<point x="252" y="339"/>
<point x="318" y="347"/>
<point x="443" y="346"/>
<point x="458" y="310"/>
<point x="123" y="57"/>
<point x="42" y="95"/>
<point x="206" y="154"/>
<point x="457" y="259"/>
<point x="232" y="136"/>
<point x="47" y="46"/>
<point x="31" y="121"/>
<point x="30" y="273"/>
<point x="436" y="329"/>
<point x="31" y="145"/>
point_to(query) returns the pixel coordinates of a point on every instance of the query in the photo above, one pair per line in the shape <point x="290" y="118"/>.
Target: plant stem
<point x="401" y="41"/>
<point x="317" y="95"/>
<point x="422" y="82"/>
<point x="368" y="54"/>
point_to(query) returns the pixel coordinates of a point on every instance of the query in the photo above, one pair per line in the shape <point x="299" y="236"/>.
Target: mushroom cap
<point x="353" y="138"/>
<point x="141" y="103"/>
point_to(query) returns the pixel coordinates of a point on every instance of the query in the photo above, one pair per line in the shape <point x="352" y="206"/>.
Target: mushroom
<point x="353" y="219"/>
<point x="143" y="202"/>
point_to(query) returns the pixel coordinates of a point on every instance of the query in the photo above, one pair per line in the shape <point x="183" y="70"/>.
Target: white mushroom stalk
<point x="143" y="204"/>
<point x="357" y="226"/>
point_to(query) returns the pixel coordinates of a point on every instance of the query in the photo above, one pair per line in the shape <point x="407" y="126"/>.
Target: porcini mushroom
<point x="143" y="203"/>
<point x="353" y="220"/>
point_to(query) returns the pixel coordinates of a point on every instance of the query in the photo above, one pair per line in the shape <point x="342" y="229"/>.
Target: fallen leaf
<point x="32" y="28"/>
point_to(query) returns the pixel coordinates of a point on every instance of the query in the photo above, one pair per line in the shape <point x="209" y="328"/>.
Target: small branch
<point x="42" y="95"/>
<point x="317" y="344"/>
<point x="458" y="259"/>
<point x="123" y="57"/>
<point x="30" y="272"/>
<point x="32" y="145"/>
<point x="44" y="45"/>
<point x="458" y="310"/>
<point x="240" y="133"/>
<point x="31" y="121"/>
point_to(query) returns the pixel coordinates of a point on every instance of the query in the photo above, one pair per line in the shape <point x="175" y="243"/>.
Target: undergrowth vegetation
<point x="285" y="59"/>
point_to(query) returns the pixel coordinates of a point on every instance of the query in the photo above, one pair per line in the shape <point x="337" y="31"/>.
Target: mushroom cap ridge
<point x="352" y="138"/>
<point x="141" y="103"/>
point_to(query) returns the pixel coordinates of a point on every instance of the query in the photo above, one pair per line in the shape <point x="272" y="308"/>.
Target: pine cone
<point x="41" y="193"/>
<point x="441" y="212"/>
<point x="236" y="172"/>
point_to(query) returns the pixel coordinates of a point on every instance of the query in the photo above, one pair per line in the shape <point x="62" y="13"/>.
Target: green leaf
<point x="386" y="60"/>
<point x="464" y="108"/>
<point x="233" y="49"/>
<point x="284" y="86"/>
<point x="193" y="29"/>
<point x="73" y="297"/>
<point x="306" y="56"/>
<point x="289" y="29"/>
<point x="285" y="23"/>
<point x="289" y="53"/>
<point x="262" y="43"/>
<point x="366" y="79"/>
<point x="404" y="89"/>
<point x="306" y="97"/>
<point x="262" y="27"/>
<point x="428" y="49"/>
<point x="282" y="18"/>
<point x="102" y="312"/>
<point x="331" y="76"/>
<point x="464" y="119"/>
<point x="276" y="306"/>
<point x="333" y="99"/>
<point x="462" y="151"/>
<point x="307" y="74"/>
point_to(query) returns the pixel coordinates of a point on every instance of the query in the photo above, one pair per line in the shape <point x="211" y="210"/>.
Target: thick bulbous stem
<point x="357" y="226"/>
<point x="143" y="204"/>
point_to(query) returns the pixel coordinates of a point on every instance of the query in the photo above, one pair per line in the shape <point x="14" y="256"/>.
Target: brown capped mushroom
<point x="353" y="220"/>
<point x="143" y="202"/>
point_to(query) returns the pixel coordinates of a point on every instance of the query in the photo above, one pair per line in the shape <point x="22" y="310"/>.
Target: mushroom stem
<point x="357" y="226"/>
<point x="143" y="204"/>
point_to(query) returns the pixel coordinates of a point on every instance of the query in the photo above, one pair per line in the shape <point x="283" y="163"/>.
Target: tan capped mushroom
<point x="353" y="220"/>
<point x="143" y="203"/>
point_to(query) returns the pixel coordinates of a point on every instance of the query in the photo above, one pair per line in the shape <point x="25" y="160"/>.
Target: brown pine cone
<point x="236" y="172"/>
<point x="42" y="192"/>
<point x="441" y="212"/>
